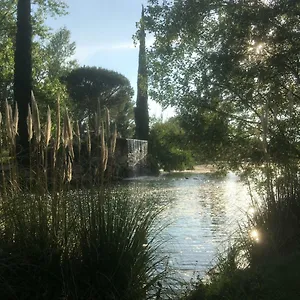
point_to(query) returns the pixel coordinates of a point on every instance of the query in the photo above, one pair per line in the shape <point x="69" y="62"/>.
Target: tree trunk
<point x="141" y="110"/>
<point x="23" y="75"/>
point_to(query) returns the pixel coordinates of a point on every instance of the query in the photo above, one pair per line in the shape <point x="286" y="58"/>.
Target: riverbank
<point x="268" y="246"/>
<point x="198" y="169"/>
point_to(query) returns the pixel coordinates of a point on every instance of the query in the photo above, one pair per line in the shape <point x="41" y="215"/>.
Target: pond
<point x="202" y="211"/>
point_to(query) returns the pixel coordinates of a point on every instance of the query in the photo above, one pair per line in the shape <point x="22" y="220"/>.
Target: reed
<point x="61" y="243"/>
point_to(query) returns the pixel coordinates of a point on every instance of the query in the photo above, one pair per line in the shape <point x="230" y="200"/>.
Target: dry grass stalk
<point x="36" y="119"/>
<point x="105" y="158"/>
<point x="104" y="150"/>
<point x="70" y="144"/>
<point x="0" y="123"/>
<point x="48" y="127"/>
<point x="68" y="134"/>
<point x="89" y="145"/>
<point x="107" y="115"/>
<point x="69" y="169"/>
<point x="58" y="132"/>
<point x="113" y="140"/>
<point x="11" y="123"/>
<point x="98" y="119"/>
<point x="8" y="115"/>
<point x="16" y="120"/>
<point x="29" y="124"/>
<point x="65" y="135"/>
<point x="77" y="132"/>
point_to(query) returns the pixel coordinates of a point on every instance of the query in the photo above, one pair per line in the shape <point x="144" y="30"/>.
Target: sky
<point x="102" y="31"/>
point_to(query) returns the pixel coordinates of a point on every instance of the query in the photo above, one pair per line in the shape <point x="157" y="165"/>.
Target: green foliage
<point x="237" y="60"/>
<point x="169" y="147"/>
<point x="89" y="85"/>
<point x="102" y="247"/>
<point x="48" y="48"/>
<point x="52" y="60"/>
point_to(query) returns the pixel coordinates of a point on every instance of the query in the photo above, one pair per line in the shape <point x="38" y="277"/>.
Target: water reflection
<point x="202" y="210"/>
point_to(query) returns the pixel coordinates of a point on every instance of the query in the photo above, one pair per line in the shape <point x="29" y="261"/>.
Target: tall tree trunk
<point x="141" y="109"/>
<point x="23" y="75"/>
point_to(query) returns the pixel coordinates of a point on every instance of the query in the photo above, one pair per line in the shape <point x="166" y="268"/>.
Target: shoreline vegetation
<point x="231" y="70"/>
<point x="263" y="260"/>
<point x="60" y="241"/>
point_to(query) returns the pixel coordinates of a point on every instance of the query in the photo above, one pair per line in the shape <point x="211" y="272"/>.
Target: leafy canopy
<point x="169" y="147"/>
<point x="237" y="61"/>
<point x="49" y="56"/>
<point x="88" y="86"/>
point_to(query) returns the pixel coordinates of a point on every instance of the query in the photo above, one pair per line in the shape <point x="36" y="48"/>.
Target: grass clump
<point x="101" y="247"/>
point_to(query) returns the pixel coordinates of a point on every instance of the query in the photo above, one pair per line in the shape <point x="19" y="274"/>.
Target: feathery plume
<point x="98" y="119"/>
<point x="16" y="120"/>
<point x="89" y="145"/>
<point x="58" y="133"/>
<point x="29" y="124"/>
<point x="8" y="115"/>
<point x="77" y="132"/>
<point x="107" y="115"/>
<point x="48" y="127"/>
<point x="36" y="119"/>
<point x="113" y="140"/>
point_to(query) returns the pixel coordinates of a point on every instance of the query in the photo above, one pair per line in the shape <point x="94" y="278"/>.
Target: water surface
<point x="202" y="211"/>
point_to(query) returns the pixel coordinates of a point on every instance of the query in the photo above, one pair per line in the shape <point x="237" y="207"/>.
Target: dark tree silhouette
<point x="87" y="86"/>
<point x="23" y="72"/>
<point x="141" y="109"/>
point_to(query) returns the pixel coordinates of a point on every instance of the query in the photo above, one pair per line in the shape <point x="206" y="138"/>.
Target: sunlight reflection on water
<point x="203" y="212"/>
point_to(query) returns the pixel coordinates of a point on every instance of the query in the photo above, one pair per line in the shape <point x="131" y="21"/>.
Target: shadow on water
<point x="203" y="211"/>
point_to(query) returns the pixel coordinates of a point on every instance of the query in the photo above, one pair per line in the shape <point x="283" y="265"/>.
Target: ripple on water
<point x="202" y="212"/>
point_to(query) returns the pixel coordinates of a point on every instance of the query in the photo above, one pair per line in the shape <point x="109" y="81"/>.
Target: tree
<point x="169" y="146"/>
<point x="58" y="53"/>
<point x="50" y="52"/>
<point x="89" y="85"/>
<point x="237" y="61"/>
<point x="52" y="59"/>
<point x="23" y="71"/>
<point x="7" y="44"/>
<point x="141" y="109"/>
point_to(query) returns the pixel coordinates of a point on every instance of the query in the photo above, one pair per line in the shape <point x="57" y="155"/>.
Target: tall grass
<point x="103" y="247"/>
<point x="276" y="221"/>
<point x="57" y="242"/>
